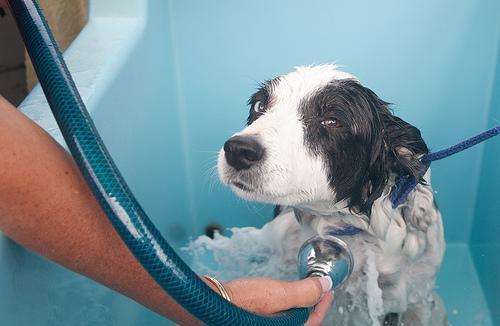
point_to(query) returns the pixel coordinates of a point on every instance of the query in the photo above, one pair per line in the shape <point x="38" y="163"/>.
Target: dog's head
<point x="316" y="135"/>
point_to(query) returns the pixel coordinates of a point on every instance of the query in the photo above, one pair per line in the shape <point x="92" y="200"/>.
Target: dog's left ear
<point x="396" y="148"/>
<point x="405" y="146"/>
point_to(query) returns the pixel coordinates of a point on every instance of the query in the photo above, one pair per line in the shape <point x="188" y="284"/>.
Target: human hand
<point x="268" y="296"/>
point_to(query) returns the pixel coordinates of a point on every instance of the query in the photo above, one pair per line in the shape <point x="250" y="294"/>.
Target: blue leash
<point x="405" y="184"/>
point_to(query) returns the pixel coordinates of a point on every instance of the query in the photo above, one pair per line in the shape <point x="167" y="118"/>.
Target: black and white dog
<point x="328" y="150"/>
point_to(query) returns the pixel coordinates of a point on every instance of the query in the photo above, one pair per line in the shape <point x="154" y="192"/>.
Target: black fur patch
<point x="264" y="96"/>
<point x="364" y="146"/>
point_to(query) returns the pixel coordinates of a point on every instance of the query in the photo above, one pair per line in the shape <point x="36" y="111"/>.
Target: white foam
<point x="249" y="251"/>
<point x="272" y="252"/>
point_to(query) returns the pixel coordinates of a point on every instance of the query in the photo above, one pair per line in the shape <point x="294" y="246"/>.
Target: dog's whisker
<point x="211" y="177"/>
<point x="251" y="207"/>
<point x="206" y="151"/>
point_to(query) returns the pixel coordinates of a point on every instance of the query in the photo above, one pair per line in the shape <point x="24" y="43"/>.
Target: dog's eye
<point x="331" y="123"/>
<point x="258" y="107"/>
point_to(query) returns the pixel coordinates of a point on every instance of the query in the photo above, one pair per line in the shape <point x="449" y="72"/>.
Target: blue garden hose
<point x="113" y="194"/>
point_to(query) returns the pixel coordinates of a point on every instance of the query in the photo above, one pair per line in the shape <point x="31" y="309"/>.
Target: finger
<point x="307" y="292"/>
<point x="320" y="310"/>
<point x="267" y="296"/>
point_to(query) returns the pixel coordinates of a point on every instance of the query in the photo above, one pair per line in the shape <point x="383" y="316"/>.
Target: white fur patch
<point x="291" y="175"/>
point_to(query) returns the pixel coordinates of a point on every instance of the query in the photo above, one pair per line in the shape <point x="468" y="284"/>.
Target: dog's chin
<point x="247" y="192"/>
<point x="242" y="190"/>
<point x="259" y="191"/>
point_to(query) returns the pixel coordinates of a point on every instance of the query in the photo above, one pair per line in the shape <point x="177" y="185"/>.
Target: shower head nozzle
<point x="321" y="256"/>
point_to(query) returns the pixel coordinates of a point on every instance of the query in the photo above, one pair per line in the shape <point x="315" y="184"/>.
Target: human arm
<point x="46" y="206"/>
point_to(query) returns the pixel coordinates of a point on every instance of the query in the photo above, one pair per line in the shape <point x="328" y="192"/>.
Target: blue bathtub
<point x="167" y="81"/>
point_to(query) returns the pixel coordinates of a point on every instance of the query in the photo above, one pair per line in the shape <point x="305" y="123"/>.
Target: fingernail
<point x="326" y="283"/>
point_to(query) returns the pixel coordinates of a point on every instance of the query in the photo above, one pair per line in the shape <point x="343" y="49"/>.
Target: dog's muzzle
<point x="242" y="152"/>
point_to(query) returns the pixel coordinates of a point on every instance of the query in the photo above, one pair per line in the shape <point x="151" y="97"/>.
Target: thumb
<point x="307" y="292"/>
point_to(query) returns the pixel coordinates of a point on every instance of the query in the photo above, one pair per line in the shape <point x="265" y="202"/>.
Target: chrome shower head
<point x="320" y="256"/>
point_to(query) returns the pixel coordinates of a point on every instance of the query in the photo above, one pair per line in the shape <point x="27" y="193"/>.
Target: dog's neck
<point x="323" y="208"/>
<point x="338" y="215"/>
<point x="321" y="215"/>
<point x="341" y="221"/>
<point x="332" y="208"/>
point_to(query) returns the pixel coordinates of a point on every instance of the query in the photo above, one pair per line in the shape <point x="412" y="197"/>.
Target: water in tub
<point x="271" y="251"/>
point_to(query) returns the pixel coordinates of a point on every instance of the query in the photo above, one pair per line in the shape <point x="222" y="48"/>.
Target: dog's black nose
<point x="242" y="152"/>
